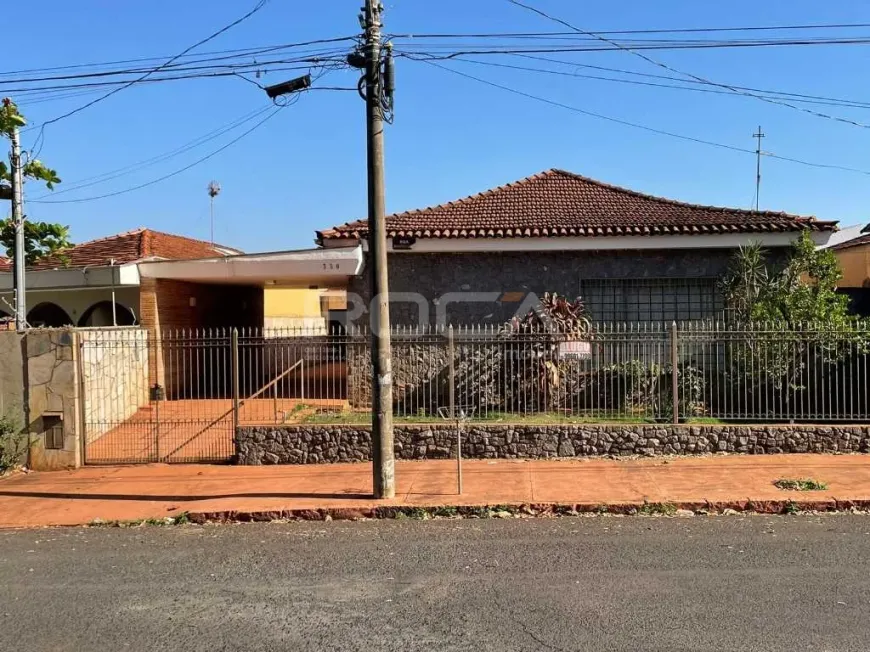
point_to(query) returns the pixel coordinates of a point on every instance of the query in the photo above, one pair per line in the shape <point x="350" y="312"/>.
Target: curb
<point x="532" y="510"/>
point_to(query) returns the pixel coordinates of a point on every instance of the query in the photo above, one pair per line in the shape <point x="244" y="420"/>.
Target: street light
<point x="292" y="86"/>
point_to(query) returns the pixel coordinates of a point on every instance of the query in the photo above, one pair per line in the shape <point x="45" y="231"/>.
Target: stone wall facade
<point x="512" y="275"/>
<point x="114" y="369"/>
<point x="323" y="444"/>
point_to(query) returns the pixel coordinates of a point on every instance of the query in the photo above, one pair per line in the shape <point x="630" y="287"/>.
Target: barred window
<point x="651" y="300"/>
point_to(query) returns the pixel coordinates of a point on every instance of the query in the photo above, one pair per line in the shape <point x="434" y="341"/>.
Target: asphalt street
<point x="598" y="583"/>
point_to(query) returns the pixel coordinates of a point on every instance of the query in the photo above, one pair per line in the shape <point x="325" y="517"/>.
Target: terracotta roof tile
<point x="556" y="203"/>
<point x="130" y="247"/>
<point x="5" y="264"/>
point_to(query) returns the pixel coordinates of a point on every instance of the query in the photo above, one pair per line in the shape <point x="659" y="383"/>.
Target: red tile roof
<point x="5" y="264"/>
<point x="132" y="246"/>
<point x="558" y="203"/>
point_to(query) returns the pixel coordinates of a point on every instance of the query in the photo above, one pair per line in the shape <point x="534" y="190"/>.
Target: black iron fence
<point x="186" y="390"/>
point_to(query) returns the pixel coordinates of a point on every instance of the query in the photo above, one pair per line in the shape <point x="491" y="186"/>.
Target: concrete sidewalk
<point x="156" y="491"/>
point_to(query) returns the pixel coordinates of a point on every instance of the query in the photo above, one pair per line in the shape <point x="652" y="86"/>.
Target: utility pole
<point x="758" y="135"/>
<point x="384" y="480"/>
<point x="18" y="220"/>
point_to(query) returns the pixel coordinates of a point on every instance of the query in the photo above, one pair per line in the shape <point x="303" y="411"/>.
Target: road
<point x="602" y="583"/>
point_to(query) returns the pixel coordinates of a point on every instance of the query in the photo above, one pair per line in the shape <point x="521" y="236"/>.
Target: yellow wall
<point x="855" y="263"/>
<point x="299" y="308"/>
<point x="291" y="302"/>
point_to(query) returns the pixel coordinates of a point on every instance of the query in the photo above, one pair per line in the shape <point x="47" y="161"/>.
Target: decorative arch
<point x="100" y="314"/>
<point x="48" y="315"/>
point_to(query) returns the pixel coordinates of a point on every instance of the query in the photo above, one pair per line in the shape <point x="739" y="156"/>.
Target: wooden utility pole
<point x="19" y="259"/>
<point x="384" y="476"/>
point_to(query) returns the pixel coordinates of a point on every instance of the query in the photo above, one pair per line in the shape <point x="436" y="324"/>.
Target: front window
<point x="652" y="300"/>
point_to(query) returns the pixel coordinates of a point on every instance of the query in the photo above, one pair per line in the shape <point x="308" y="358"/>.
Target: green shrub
<point x="13" y="443"/>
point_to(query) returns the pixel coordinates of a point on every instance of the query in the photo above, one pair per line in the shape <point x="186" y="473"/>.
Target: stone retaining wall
<point x="321" y="444"/>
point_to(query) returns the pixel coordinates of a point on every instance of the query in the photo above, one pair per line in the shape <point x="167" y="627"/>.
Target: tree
<point x="803" y="291"/>
<point x="794" y="324"/>
<point x="40" y="238"/>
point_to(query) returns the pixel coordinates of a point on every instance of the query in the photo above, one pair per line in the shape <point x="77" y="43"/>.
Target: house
<point x="852" y="248"/>
<point x="631" y="256"/>
<point x="96" y="283"/>
<point x="166" y="282"/>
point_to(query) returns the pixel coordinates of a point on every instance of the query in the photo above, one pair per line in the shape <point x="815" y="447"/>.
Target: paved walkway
<point x="156" y="491"/>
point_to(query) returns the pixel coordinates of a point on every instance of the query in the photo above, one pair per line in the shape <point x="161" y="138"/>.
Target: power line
<point x="635" y="125"/>
<point x="684" y="30"/>
<point x="187" y="65"/>
<point x="509" y="48"/>
<point x="171" y="174"/>
<point x="686" y="74"/>
<point x="797" y="96"/>
<point x="250" y="51"/>
<point x="119" y="172"/>
<point x="337" y="62"/>
<point x="823" y="101"/>
<point x="257" y="7"/>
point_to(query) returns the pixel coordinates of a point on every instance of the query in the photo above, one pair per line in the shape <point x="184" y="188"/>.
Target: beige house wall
<point x="855" y="263"/>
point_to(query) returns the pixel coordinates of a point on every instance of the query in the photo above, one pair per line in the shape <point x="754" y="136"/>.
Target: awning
<point x="307" y="266"/>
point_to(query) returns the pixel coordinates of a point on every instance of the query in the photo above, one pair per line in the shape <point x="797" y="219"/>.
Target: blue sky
<point x="305" y="168"/>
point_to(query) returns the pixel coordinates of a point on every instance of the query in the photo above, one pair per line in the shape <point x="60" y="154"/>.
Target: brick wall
<point x="168" y="306"/>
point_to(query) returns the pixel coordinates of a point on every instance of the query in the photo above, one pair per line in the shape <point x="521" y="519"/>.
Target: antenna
<point x="214" y="189"/>
<point x="759" y="135"/>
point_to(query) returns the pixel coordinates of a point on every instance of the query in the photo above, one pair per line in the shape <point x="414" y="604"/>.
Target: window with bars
<point x="651" y="300"/>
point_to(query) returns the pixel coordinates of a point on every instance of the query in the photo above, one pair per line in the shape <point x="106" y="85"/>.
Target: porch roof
<point x="303" y="266"/>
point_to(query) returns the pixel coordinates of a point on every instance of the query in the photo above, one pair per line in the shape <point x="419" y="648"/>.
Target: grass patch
<point x="350" y="417"/>
<point x="800" y="484"/>
<point x="657" y="509"/>
<point x="181" y="519"/>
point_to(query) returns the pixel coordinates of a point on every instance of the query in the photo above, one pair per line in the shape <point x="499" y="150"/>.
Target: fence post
<point x="451" y="393"/>
<point x="451" y="377"/>
<point x="675" y="384"/>
<point x="234" y="344"/>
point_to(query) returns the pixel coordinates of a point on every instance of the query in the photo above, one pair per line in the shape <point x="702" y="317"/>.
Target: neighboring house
<point x="852" y="248"/>
<point x="96" y="283"/>
<point x="165" y="281"/>
<point x="631" y="256"/>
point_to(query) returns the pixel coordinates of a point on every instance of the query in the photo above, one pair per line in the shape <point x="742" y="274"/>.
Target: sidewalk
<point x="156" y="491"/>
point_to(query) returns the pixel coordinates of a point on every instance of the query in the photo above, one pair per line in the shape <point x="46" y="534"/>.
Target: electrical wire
<point x="308" y="63"/>
<point x="213" y="35"/>
<point x="687" y="74"/>
<point x="128" y="169"/>
<point x="683" y="30"/>
<point x="826" y="102"/>
<point x="635" y="125"/>
<point x="796" y="96"/>
<point x="175" y="172"/>
<point x="511" y="48"/>
<point x="236" y="52"/>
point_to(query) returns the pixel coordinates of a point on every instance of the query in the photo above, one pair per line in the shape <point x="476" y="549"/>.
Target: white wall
<point x="76" y="302"/>
<point x="114" y="365"/>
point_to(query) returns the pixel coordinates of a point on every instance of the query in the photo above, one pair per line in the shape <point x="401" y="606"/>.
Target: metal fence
<point x="195" y="386"/>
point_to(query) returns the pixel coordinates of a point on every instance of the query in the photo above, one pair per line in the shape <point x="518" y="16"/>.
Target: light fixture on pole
<point x="214" y="189"/>
<point x="291" y="86"/>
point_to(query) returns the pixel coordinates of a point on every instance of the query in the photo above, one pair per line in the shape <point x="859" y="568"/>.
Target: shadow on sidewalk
<point x="187" y="498"/>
